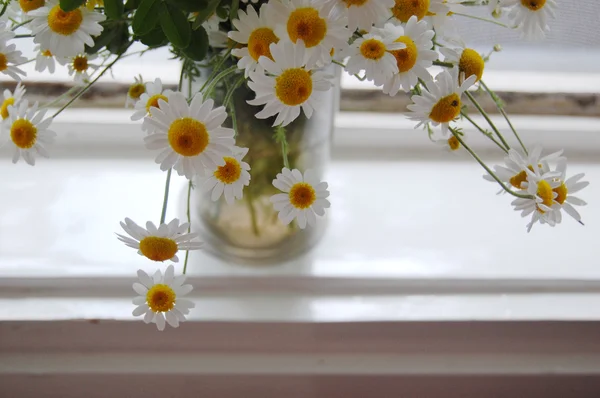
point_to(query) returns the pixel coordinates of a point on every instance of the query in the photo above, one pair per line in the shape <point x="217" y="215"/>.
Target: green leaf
<point x="114" y="8"/>
<point x="235" y="5"/>
<point x="188" y="5"/>
<point x="70" y="5"/>
<point x="222" y="12"/>
<point x="156" y="38"/>
<point x="146" y="17"/>
<point x="175" y="25"/>
<point x="198" y="45"/>
<point x="119" y="44"/>
<point x="206" y="13"/>
<point x="132" y="4"/>
<point x="103" y="39"/>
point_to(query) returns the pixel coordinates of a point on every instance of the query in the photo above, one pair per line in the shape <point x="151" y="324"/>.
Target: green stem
<point x="17" y="26"/>
<point x="22" y="36"/>
<point x="215" y="70"/>
<point x="163" y="213"/>
<point x="483" y="19"/>
<point x="487" y="118"/>
<point x="83" y="90"/>
<point x="338" y="63"/>
<point x="488" y="135"/>
<point x="232" y="69"/>
<point x="181" y="75"/>
<point x="189" y="220"/>
<point x="490" y="172"/>
<point x="503" y="112"/>
<point x="444" y="64"/>
<point x="281" y="138"/>
<point x="252" y="210"/>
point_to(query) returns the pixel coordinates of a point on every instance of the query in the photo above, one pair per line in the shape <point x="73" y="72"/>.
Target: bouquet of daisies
<point x="280" y="50"/>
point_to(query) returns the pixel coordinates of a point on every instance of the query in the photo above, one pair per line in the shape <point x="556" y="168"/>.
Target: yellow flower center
<point x="5" y="105"/>
<point x="137" y="89"/>
<point x="293" y="86"/>
<point x="64" y="23"/>
<point x="30" y="5"/>
<point x="230" y="172"/>
<point x="357" y="3"/>
<point x="46" y="53"/>
<point x="153" y="101"/>
<point x="23" y="133"/>
<point x="3" y="62"/>
<point x="404" y="9"/>
<point x="446" y="109"/>
<point x="533" y="5"/>
<point x="407" y="57"/>
<point x="158" y="249"/>
<point x="372" y="49"/>
<point x="521" y="177"/>
<point x="161" y="298"/>
<point x="545" y="192"/>
<point x="80" y="63"/>
<point x="188" y="137"/>
<point x="306" y="24"/>
<point x="259" y="41"/>
<point x="302" y="195"/>
<point x="453" y="143"/>
<point x="471" y="63"/>
<point x="562" y="193"/>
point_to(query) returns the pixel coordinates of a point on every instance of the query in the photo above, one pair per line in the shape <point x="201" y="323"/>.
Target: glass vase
<point x="249" y="229"/>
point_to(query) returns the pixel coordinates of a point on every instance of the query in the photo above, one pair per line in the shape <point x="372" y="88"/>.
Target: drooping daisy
<point x="440" y="103"/>
<point x="437" y="13"/>
<point x="531" y="16"/>
<point x="44" y="60"/>
<point x="450" y="144"/>
<point x="469" y="61"/>
<point x="18" y="10"/>
<point x="290" y="85"/>
<point x="304" y="199"/>
<point x="11" y="98"/>
<point x="564" y="192"/>
<point x="257" y="31"/>
<point x="362" y="14"/>
<point x="161" y="298"/>
<point x="80" y="67"/>
<point x="190" y="136"/>
<point x="135" y="91"/>
<point x="514" y="174"/>
<point x="149" y="98"/>
<point x="542" y="207"/>
<point x="28" y="131"/>
<point x="229" y="180"/>
<point x="321" y="28"/>
<point x="162" y="243"/>
<point x="414" y="59"/>
<point x="373" y="54"/>
<point x="10" y="57"/>
<point x="65" y="33"/>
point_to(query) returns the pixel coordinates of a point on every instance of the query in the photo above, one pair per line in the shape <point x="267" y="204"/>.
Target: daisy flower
<point x="65" y="33"/>
<point x="135" y="91"/>
<point x="230" y="178"/>
<point x="216" y="37"/>
<point x="531" y="16"/>
<point x="190" y="137"/>
<point x="44" y="60"/>
<point x="160" y="298"/>
<point x="304" y="198"/>
<point x="567" y="187"/>
<point x="450" y="144"/>
<point x="372" y="53"/>
<point x="11" y="98"/>
<point x="149" y="98"/>
<point x="17" y="10"/>
<point x="80" y="68"/>
<point x="362" y="14"/>
<point x="412" y="60"/>
<point x="290" y="85"/>
<point x="162" y="243"/>
<point x="542" y="207"/>
<point x="257" y="31"/>
<point x="437" y="13"/>
<point x="322" y="29"/>
<point x="10" y="57"/>
<point x="469" y="62"/>
<point x="440" y="103"/>
<point x="514" y="174"/>
<point x="28" y="132"/>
